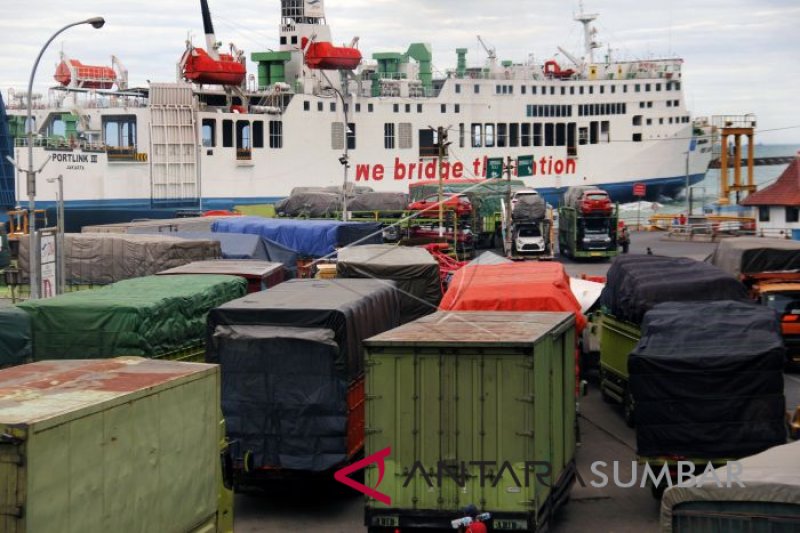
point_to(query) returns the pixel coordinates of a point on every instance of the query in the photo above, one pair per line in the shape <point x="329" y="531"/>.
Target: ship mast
<point x="589" y="32"/>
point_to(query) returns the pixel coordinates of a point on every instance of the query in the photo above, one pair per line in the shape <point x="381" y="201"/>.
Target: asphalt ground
<point x="327" y="506"/>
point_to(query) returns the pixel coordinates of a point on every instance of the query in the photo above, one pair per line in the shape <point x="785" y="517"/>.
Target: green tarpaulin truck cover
<point x="149" y="317"/>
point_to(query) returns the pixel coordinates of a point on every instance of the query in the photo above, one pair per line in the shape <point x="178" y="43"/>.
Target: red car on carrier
<point x="595" y="202"/>
<point x="460" y="203"/>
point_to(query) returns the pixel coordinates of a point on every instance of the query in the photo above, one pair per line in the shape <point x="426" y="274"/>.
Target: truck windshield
<point x="597" y="196"/>
<point x="596" y="226"/>
<point x="783" y="302"/>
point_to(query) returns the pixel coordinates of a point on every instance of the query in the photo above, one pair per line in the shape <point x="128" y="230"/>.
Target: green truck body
<point x="454" y="388"/>
<point x="125" y="444"/>
<point x="618" y="338"/>
<point x="584" y="237"/>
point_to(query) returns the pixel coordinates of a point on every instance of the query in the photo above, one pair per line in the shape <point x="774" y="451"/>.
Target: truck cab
<point x="784" y="298"/>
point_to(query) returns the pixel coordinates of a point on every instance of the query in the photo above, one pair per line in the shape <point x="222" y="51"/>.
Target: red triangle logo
<point x="377" y="458"/>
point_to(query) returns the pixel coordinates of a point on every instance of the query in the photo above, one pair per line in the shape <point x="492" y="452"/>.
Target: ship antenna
<point x="589" y="43"/>
<point x="208" y="27"/>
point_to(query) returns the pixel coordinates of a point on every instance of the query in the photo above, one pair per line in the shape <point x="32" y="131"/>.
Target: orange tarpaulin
<point x="526" y="286"/>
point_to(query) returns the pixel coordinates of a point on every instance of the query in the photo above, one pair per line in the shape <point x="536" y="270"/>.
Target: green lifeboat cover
<point x="149" y="317"/>
<point x="15" y="337"/>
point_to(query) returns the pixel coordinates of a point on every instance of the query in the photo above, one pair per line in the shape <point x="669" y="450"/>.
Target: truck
<point x="124" y="444"/>
<point x="581" y="236"/>
<point x="770" y="269"/>
<point x="476" y="408"/>
<point x="765" y="502"/>
<point x="635" y="284"/>
<point x="528" y="226"/>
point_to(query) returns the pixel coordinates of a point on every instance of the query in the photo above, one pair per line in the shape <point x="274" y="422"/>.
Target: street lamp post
<point x="345" y="159"/>
<point x="96" y="22"/>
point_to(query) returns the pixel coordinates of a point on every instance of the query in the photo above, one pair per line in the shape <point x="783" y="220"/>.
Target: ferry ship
<point x="320" y="114"/>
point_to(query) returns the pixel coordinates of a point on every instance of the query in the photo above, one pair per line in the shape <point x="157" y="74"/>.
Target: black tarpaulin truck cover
<point x="414" y="270"/>
<point x="754" y="255"/>
<point x="283" y="402"/>
<point x="636" y="283"/>
<point x="707" y="380"/>
<point x="287" y="360"/>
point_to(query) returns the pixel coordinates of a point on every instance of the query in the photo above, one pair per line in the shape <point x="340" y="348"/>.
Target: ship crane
<point x="491" y="52"/>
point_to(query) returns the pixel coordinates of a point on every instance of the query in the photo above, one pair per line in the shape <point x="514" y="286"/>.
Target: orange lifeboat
<point x="86" y="76"/>
<point x="200" y="67"/>
<point x="553" y="70"/>
<point x="326" y="56"/>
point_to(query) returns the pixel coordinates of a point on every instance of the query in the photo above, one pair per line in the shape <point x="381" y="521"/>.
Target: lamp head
<point x="96" y="22"/>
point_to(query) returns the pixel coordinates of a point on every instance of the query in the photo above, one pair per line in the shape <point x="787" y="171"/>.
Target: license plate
<point x="596" y="254"/>
<point x="386" y="521"/>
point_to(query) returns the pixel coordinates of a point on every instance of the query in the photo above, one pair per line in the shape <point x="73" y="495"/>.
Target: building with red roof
<point x="779" y="204"/>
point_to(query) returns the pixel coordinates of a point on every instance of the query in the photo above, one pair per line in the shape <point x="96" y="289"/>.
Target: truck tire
<point x="627" y="409"/>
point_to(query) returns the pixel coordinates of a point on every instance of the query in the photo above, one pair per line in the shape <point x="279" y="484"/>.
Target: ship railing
<point x="734" y="121"/>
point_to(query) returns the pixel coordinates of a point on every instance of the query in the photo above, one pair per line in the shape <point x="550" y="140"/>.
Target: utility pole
<point x="442" y="145"/>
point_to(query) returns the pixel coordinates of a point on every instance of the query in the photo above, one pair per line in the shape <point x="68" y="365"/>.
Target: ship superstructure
<point x="251" y="139"/>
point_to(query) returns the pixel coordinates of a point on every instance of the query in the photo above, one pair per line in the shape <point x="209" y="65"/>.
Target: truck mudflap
<point x="390" y="520"/>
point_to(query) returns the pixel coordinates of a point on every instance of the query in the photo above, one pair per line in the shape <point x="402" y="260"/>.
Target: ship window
<point x="458" y="88"/>
<point x="613" y="89"/>
<point x="388" y="136"/>
<point x="275" y="134"/>
<point x="209" y="133"/>
<point x="333" y="107"/>
<point x="638" y="88"/>
<point x="502" y="135"/>
<point x="120" y="134"/>
<point x="444" y="108"/>
<point x="647" y="87"/>
<point x="583" y="135"/>
<point x="258" y="134"/>
<point x="457" y="108"/>
<point x="428" y="147"/>
<point x="405" y="136"/>
<point x="489" y="135"/>
<point x="337" y="136"/>
<point x="625" y="88"/>
<point x="549" y="137"/>
<point x="676" y="103"/>
<point x="513" y="135"/>
<point x="605" y="131"/>
<point x="346" y="108"/>
<point x="498" y="89"/>
<point x="561" y="134"/>
<point x="227" y="133"/>
<point x="581" y="89"/>
<point x="637" y="120"/>
<point x="669" y="103"/>
<point x="637" y="137"/>
<point x="533" y="89"/>
<point x="306" y="105"/>
<point x="243" y="144"/>
<point x="591" y="89"/>
<point x="283" y="39"/>
<point x="537" y="134"/>
<point x="477" y="88"/>
<point x="792" y="214"/>
<point x="552" y="90"/>
<point x="419" y="108"/>
<point x="351" y="136"/>
<point x="670" y="120"/>
<point x="641" y="105"/>
<point x="525" y="134"/>
<point x="396" y="108"/>
<point x="477" y="135"/>
<point x="370" y="108"/>
<point x="294" y="39"/>
<point x="658" y="86"/>
<point x="320" y="106"/>
<point x="677" y="86"/>
<point x="593" y="132"/>
<point x="572" y="148"/>
<point x="602" y="89"/>
<point x="461" y="135"/>
<point x="358" y="108"/>
<point x="563" y="90"/>
<point x="763" y="213"/>
<point x="661" y="120"/>
<point x="649" y="104"/>
<point x="572" y="90"/>
<point x="408" y="108"/>
<point x="524" y="89"/>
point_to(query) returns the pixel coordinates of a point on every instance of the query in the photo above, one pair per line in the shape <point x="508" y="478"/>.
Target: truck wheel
<point x="627" y="409"/>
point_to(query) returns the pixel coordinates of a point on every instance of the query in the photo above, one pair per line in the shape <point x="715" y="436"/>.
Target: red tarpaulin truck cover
<point x="525" y="286"/>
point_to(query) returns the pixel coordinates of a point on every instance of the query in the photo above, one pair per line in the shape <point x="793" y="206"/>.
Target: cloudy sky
<point x="741" y="56"/>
